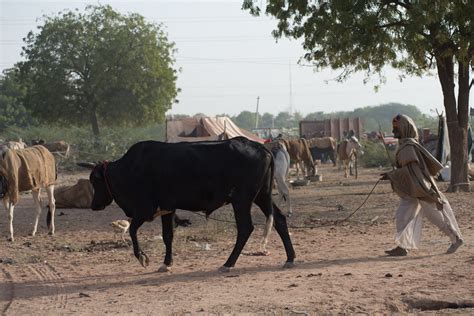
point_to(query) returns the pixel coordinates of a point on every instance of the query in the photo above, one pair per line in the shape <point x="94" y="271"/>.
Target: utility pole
<point x="291" y="90"/>
<point x="256" y="114"/>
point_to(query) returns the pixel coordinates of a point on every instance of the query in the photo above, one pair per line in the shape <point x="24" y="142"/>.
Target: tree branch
<point x="404" y="4"/>
<point x="398" y="23"/>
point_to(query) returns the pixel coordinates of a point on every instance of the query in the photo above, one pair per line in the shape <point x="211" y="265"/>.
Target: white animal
<point x="120" y="226"/>
<point x="11" y="145"/>
<point x="282" y="167"/>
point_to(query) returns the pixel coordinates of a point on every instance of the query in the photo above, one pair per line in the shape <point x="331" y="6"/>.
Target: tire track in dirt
<point x="31" y="289"/>
<point x="63" y="298"/>
<point x="9" y="293"/>
<point x="53" y="288"/>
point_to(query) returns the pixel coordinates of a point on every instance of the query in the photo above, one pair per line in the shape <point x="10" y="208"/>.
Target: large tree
<point x="285" y="120"/>
<point x="414" y="36"/>
<point x="267" y="120"/>
<point x="12" y="111"/>
<point x="99" y="68"/>
<point x="245" y="120"/>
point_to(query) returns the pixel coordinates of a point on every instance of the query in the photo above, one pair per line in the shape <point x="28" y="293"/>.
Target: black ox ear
<point x="89" y="165"/>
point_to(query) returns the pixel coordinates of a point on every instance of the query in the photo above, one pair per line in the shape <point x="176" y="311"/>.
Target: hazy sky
<point x="228" y="59"/>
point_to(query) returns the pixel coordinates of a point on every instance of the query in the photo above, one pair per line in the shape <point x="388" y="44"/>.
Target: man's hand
<point x="383" y="176"/>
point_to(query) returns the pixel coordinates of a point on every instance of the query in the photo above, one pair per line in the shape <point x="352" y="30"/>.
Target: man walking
<point x="419" y="195"/>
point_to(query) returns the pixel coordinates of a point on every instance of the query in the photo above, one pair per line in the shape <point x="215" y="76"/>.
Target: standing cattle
<point x="319" y="146"/>
<point x="154" y="179"/>
<point x="347" y="153"/>
<point x="300" y="155"/>
<point x="21" y="170"/>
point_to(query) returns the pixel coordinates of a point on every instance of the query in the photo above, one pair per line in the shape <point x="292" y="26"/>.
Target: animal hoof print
<point x="224" y="269"/>
<point x="288" y="265"/>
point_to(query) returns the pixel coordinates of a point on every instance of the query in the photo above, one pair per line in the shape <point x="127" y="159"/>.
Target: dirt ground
<point x="85" y="269"/>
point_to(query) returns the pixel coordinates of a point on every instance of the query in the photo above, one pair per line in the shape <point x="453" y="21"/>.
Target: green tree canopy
<point x="267" y="120"/>
<point x="245" y="120"/>
<point x="99" y="67"/>
<point x="284" y="119"/>
<point x="12" y="111"/>
<point x="414" y="36"/>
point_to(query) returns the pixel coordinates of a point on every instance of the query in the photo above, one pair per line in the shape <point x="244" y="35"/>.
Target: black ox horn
<point x="89" y="165"/>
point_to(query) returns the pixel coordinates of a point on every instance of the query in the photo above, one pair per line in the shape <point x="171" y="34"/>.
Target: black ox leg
<point x="167" y="229"/>
<point x="282" y="228"/>
<point x="264" y="201"/>
<point x="244" y="229"/>
<point x="139" y="254"/>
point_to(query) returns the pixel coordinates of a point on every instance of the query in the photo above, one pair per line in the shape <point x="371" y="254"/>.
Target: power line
<point x="189" y="39"/>
<point x="183" y="20"/>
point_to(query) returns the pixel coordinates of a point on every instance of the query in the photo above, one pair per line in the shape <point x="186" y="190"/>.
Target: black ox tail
<point x="48" y="217"/>
<point x="183" y="222"/>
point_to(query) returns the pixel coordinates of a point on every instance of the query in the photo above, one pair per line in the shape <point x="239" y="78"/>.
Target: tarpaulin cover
<point x="204" y="129"/>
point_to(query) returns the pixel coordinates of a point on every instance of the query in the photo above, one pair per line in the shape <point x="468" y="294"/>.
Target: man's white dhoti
<point x="409" y="221"/>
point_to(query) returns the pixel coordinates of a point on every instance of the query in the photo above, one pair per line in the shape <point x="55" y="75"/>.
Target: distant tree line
<point x="371" y="117"/>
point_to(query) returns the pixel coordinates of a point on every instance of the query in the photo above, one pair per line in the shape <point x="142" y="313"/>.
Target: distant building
<point x="274" y="132"/>
<point x="338" y="128"/>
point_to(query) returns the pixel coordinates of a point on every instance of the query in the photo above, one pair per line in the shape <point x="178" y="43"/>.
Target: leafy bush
<point x="375" y="155"/>
<point x="113" y="143"/>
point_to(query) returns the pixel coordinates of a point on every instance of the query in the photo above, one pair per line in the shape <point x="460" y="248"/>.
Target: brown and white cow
<point x="27" y="169"/>
<point x="300" y="155"/>
<point x="323" y="145"/>
<point x="347" y="153"/>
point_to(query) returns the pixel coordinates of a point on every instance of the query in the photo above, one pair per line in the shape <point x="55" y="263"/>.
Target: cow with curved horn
<point x="154" y="179"/>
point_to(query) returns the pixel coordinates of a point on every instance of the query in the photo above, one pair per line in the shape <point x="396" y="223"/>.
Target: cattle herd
<point x="154" y="179"/>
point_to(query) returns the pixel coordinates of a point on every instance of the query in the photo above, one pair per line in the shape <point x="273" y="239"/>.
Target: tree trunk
<point x="457" y="119"/>
<point x="95" y="125"/>
<point x="459" y="163"/>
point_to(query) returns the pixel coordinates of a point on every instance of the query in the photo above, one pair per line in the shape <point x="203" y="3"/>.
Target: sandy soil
<point x="85" y="269"/>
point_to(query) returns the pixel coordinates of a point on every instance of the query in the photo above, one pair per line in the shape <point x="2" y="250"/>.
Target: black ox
<point x="155" y="178"/>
